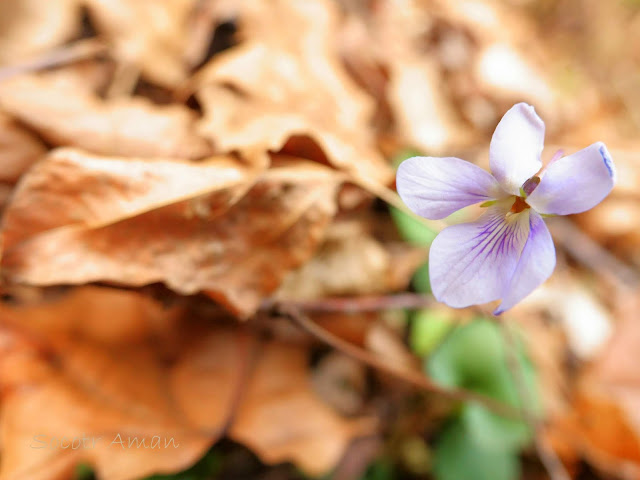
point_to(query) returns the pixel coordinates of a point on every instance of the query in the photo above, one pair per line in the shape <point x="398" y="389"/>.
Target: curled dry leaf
<point x="209" y="226"/>
<point x="67" y="379"/>
<point x="149" y="34"/>
<point x="66" y="115"/>
<point x="30" y="27"/>
<point x="285" y="80"/>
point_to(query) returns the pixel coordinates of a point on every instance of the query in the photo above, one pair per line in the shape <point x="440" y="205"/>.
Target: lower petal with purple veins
<point x="536" y="264"/>
<point x="474" y="263"/>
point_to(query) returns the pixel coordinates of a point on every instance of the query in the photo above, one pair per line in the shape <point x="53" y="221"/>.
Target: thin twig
<point x="75" y="52"/>
<point x="547" y="455"/>
<point x="586" y="251"/>
<point x="369" y="303"/>
<point x="413" y="378"/>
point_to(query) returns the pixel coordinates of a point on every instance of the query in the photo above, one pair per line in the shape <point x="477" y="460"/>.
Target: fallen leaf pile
<point x="171" y="171"/>
<point x="121" y="366"/>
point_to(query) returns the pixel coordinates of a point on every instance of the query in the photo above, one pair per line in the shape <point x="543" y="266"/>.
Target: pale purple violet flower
<point x="508" y="251"/>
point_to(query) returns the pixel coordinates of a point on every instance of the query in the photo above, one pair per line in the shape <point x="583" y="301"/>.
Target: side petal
<point x="472" y="263"/>
<point x="516" y="145"/>
<point x="575" y="183"/>
<point x="434" y="188"/>
<point x="537" y="261"/>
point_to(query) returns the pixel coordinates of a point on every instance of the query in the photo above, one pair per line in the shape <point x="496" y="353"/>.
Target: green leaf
<point x="459" y="456"/>
<point x="382" y="469"/>
<point x="421" y="281"/>
<point x="83" y="471"/>
<point x="206" y="468"/>
<point x="411" y="229"/>
<point x="428" y="328"/>
<point x="474" y="357"/>
<point x="495" y="431"/>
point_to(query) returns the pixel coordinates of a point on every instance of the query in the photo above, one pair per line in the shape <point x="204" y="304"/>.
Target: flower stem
<point x="410" y="377"/>
<point x="547" y="455"/>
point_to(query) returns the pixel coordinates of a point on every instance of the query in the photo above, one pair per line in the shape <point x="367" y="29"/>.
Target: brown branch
<point x="369" y="303"/>
<point x="410" y="377"/>
<point x="547" y="455"/>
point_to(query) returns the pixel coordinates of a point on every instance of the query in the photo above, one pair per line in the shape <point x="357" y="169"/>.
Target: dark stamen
<point x="530" y="185"/>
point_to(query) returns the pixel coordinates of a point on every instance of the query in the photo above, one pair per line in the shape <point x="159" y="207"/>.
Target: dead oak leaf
<point x="285" y="80"/>
<point x="64" y="379"/>
<point x="194" y="226"/>
<point x="66" y="115"/>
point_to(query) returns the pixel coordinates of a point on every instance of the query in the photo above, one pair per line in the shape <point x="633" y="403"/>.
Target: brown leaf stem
<point x="360" y="304"/>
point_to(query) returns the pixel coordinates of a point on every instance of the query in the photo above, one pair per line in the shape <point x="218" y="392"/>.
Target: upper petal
<point x="472" y="263"/>
<point x="536" y="264"/>
<point x="434" y="188"/>
<point x="516" y="145"/>
<point x="575" y="183"/>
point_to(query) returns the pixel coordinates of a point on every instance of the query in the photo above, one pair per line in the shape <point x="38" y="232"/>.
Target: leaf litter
<point x="226" y="181"/>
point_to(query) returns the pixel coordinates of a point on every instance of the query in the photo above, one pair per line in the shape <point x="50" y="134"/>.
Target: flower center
<point x="519" y="205"/>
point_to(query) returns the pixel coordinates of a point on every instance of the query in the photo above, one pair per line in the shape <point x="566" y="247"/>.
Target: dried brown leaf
<point x="285" y="79"/>
<point x="274" y="399"/>
<point x="61" y="385"/>
<point x="19" y="149"/>
<point x="135" y="222"/>
<point x="604" y="423"/>
<point x="67" y="115"/>
<point x="72" y="187"/>
<point x="415" y="91"/>
<point x="68" y="376"/>
<point x="149" y="34"/>
<point x="30" y="27"/>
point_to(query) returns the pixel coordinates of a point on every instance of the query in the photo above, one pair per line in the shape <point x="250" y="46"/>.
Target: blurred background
<point x="207" y="273"/>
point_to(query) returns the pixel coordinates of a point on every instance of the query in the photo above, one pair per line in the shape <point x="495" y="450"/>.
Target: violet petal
<point x="536" y="264"/>
<point x="472" y="263"/>
<point x="575" y="183"/>
<point x="434" y="187"/>
<point x="516" y="147"/>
